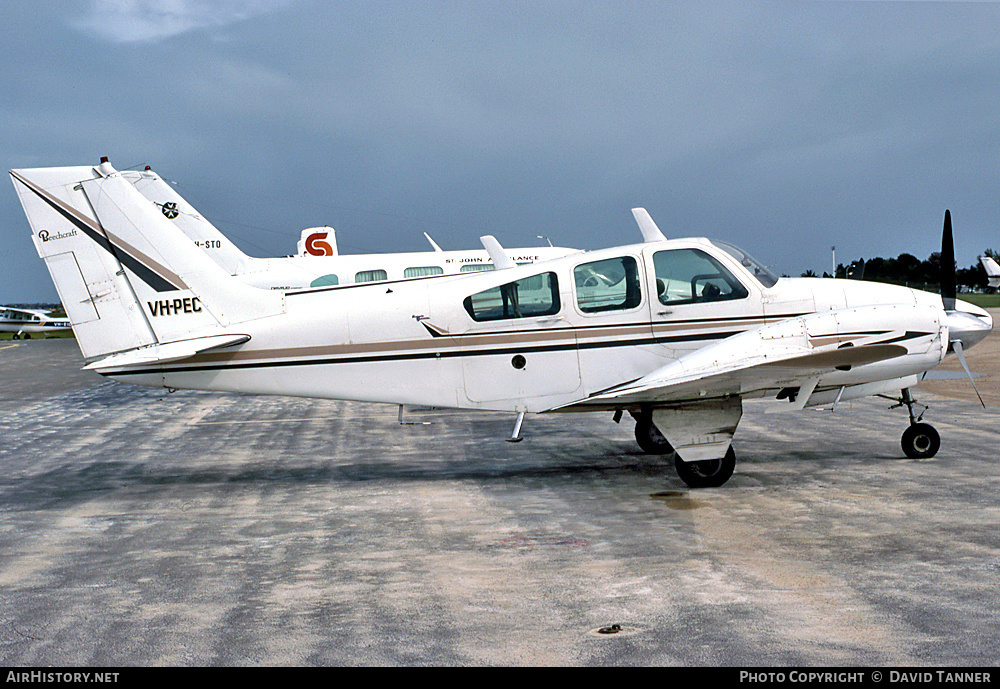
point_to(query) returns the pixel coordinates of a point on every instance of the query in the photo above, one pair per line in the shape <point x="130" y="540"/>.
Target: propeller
<point x="949" y="290"/>
<point x="948" y="278"/>
<point x="956" y="347"/>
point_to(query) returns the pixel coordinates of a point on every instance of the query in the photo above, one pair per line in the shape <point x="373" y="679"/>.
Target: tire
<point x="708" y="473"/>
<point x="650" y="439"/>
<point x="920" y="441"/>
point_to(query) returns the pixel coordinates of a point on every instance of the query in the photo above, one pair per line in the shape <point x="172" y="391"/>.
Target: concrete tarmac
<point x="147" y="528"/>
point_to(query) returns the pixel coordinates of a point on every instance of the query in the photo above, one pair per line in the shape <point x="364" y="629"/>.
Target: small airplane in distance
<point x="675" y="332"/>
<point x="25" y="322"/>
<point x="318" y="262"/>
<point x="992" y="270"/>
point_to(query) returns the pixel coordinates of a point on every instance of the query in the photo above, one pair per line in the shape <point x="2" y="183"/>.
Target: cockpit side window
<point x="537" y="295"/>
<point x="760" y="272"/>
<point x="689" y="276"/>
<point x="608" y="285"/>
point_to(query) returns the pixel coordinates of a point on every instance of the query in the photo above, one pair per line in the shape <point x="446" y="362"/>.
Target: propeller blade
<point x="948" y="278"/>
<point x="957" y="347"/>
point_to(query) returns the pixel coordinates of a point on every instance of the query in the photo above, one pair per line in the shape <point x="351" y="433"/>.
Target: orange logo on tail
<point x="315" y="246"/>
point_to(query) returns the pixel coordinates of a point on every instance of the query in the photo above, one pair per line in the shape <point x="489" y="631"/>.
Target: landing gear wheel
<point x="920" y="441"/>
<point x="650" y="439"/>
<point x="708" y="473"/>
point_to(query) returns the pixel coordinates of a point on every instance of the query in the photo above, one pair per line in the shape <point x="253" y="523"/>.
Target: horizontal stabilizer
<point x="169" y="351"/>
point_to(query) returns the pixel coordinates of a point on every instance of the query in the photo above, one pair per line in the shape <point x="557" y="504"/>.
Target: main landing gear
<point x="920" y="440"/>
<point x="649" y="437"/>
<point x="708" y="473"/>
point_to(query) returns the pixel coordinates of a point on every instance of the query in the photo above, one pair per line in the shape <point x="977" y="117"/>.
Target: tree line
<point x="908" y="270"/>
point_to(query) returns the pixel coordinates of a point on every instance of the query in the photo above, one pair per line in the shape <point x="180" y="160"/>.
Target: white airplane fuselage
<point x="416" y="342"/>
<point x="30" y="321"/>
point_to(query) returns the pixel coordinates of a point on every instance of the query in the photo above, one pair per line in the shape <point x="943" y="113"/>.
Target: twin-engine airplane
<point x="318" y="262"/>
<point x="675" y="332"/>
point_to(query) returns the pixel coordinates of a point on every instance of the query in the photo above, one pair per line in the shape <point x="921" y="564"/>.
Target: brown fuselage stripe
<point x="384" y="352"/>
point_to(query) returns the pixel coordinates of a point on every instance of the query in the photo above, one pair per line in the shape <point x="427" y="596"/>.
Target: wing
<point x="697" y="399"/>
<point x="769" y="369"/>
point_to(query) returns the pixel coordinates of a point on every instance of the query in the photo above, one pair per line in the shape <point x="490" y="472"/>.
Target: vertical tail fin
<point x="175" y="208"/>
<point x="318" y="241"/>
<point x="992" y="270"/>
<point x="127" y="276"/>
<point x="88" y="276"/>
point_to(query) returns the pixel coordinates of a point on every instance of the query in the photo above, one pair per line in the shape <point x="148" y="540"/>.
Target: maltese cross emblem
<point x="170" y="210"/>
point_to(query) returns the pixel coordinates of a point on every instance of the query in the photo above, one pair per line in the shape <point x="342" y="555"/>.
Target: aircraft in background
<point x="25" y="322"/>
<point x="318" y="262"/>
<point x="677" y="333"/>
<point x="992" y="270"/>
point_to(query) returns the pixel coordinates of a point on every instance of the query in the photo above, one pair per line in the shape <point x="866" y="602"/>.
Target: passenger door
<point x="516" y="346"/>
<point x="695" y="299"/>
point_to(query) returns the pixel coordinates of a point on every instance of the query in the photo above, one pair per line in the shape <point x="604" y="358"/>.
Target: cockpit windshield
<point x="756" y="268"/>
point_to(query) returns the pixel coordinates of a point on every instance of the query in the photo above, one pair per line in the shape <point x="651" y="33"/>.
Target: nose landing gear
<point x="920" y="440"/>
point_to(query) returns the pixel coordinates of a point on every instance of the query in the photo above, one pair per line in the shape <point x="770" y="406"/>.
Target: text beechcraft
<point x="678" y="333"/>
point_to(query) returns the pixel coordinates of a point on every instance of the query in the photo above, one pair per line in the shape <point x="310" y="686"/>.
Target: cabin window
<point x="608" y="285"/>
<point x="325" y="281"/>
<point x="371" y="276"/>
<point x="476" y="267"/>
<point x="422" y="271"/>
<point x="689" y="276"/>
<point x="537" y="295"/>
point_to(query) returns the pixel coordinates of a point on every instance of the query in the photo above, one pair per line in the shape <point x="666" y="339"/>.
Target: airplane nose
<point x="969" y="328"/>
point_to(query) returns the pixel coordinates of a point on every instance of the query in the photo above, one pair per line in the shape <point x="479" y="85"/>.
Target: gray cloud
<point x="146" y="21"/>
<point x="784" y="127"/>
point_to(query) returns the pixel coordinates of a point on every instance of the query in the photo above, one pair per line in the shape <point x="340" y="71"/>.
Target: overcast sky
<point x="782" y="127"/>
